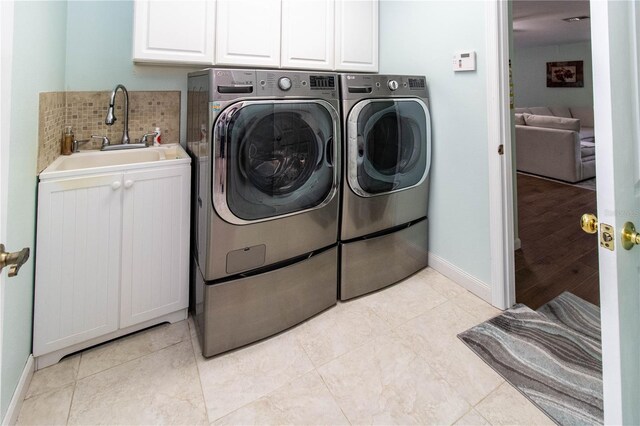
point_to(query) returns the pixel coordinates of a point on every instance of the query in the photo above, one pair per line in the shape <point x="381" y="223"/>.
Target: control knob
<point x="392" y="84"/>
<point x="284" y="83"/>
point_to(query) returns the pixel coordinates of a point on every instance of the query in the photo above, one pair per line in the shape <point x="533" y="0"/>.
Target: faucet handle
<point x="105" y="140"/>
<point x="145" y="137"/>
<point x="75" y="146"/>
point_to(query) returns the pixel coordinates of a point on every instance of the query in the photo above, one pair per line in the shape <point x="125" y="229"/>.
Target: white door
<point x="616" y="78"/>
<point x="6" y="37"/>
<point x="248" y="32"/>
<point x="174" y="31"/>
<point x="307" y="34"/>
<point x="155" y="244"/>
<point x="356" y="43"/>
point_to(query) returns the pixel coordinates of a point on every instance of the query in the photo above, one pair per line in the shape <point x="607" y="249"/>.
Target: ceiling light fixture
<point x="575" y="18"/>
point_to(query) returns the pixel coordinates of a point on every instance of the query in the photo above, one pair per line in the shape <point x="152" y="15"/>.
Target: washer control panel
<point x="236" y="83"/>
<point x="297" y="84"/>
<point x="392" y="85"/>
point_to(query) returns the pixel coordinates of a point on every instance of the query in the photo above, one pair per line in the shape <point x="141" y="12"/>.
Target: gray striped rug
<point x="552" y="356"/>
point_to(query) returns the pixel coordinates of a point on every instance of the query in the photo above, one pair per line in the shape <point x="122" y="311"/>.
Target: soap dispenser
<point x="157" y="139"/>
<point x="67" y="141"/>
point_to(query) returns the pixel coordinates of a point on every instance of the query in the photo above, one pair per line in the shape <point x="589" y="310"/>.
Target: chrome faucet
<point x="111" y="118"/>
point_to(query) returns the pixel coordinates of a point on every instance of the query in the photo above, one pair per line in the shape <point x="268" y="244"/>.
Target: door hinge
<point x="501" y="149"/>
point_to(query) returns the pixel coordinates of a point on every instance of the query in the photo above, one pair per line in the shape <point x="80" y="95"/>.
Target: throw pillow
<point x="552" y="122"/>
<point x="540" y="111"/>
<point x="520" y="120"/>
<point x="585" y="114"/>
<point x="559" y="111"/>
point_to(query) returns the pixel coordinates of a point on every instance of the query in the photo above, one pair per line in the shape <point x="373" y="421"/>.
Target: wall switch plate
<point x="464" y="61"/>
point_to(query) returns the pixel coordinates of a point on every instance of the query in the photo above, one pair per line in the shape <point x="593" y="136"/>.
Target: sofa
<point x="556" y="142"/>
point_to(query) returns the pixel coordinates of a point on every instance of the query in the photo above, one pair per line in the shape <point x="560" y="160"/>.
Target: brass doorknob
<point x="589" y="223"/>
<point x="629" y="236"/>
<point x="13" y="260"/>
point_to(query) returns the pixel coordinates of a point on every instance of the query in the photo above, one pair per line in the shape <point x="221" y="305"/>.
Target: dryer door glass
<point x="279" y="158"/>
<point x="392" y="149"/>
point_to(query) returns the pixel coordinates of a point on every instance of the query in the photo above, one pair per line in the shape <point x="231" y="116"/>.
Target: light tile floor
<point x="391" y="357"/>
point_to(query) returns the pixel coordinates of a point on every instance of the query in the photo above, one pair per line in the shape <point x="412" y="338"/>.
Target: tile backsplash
<point x="52" y="113"/>
<point x="86" y="111"/>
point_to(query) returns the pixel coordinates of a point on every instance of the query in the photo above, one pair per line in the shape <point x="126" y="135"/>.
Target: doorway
<point x="554" y="149"/>
<point x="616" y="76"/>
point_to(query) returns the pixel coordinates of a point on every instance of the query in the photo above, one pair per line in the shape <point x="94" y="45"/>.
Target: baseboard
<point x="11" y="417"/>
<point x="460" y="277"/>
<point x="517" y="244"/>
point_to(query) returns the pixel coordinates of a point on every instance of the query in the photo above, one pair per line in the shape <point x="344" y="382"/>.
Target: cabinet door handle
<point x="128" y="184"/>
<point x="115" y="185"/>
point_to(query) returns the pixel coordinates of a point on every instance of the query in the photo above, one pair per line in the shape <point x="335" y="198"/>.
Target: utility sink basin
<point x="93" y="161"/>
<point x="102" y="159"/>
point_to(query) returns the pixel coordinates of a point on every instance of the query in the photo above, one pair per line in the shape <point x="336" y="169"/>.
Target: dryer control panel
<point x="357" y="86"/>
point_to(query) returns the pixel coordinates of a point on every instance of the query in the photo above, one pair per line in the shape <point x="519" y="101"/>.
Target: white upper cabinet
<point x="248" y="32"/>
<point x="308" y="34"/>
<point x="339" y="35"/>
<point x="174" y="31"/>
<point x="356" y="35"/>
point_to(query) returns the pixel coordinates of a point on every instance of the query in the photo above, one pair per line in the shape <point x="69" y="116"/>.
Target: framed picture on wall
<point x="565" y="74"/>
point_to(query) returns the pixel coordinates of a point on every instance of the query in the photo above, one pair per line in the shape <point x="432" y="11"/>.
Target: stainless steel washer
<point x="266" y="180"/>
<point x="387" y="151"/>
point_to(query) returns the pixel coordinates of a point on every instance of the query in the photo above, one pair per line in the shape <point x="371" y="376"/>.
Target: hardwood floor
<point x="556" y="255"/>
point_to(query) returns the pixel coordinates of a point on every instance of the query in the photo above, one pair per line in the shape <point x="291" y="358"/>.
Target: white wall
<point x="530" y="76"/>
<point x="38" y="66"/>
<point x="420" y="37"/>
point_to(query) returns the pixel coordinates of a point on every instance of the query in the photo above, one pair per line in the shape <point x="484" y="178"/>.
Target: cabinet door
<point x="248" y="32"/>
<point x="174" y="31"/>
<point x="357" y="35"/>
<point x="155" y="243"/>
<point x="77" y="261"/>
<point x="307" y="34"/>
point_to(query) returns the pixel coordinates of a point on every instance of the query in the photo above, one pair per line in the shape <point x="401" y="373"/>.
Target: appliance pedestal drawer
<point x="247" y="309"/>
<point x="371" y="264"/>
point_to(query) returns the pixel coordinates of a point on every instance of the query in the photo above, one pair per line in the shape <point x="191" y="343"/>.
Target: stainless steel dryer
<point x="266" y="179"/>
<point x="387" y="135"/>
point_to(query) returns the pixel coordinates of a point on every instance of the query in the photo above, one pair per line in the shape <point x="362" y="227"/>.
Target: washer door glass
<point x="392" y="145"/>
<point x="279" y="158"/>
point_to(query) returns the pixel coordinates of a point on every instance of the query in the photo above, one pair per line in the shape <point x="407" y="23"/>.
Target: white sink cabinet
<point x="112" y="254"/>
